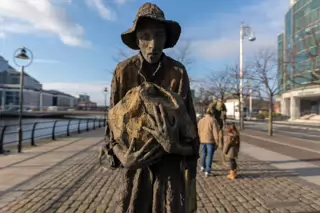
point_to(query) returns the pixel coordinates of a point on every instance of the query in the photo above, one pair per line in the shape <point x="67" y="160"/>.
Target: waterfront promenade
<point x="64" y="176"/>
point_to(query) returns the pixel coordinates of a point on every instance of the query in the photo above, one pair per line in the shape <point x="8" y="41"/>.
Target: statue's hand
<point x="165" y="133"/>
<point x="135" y="159"/>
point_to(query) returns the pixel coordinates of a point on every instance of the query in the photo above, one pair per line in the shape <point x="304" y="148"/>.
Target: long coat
<point x="232" y="145"/>
<point x="159" y="187"/>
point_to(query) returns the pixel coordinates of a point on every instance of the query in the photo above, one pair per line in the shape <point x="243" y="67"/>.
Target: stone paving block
<point x="80" y="185"/>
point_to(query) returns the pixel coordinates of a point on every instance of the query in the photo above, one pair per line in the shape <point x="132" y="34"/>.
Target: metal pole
<point x="20" y="132"/>
<point x="241" y="76"/>
<point x="41" y="101"/>
<point x="105" y="106"/>
<point x="250" y="99"/>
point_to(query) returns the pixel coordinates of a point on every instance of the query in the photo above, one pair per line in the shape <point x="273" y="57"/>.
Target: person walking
<point x="209" y="136"/>
<point x="231" y="149"/>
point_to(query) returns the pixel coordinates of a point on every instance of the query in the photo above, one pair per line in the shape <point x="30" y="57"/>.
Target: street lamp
<point x="22" y="54"/>
<point x="105" y="111"/>
<point x="105" y="102"/>
<point x="244" y="31"/>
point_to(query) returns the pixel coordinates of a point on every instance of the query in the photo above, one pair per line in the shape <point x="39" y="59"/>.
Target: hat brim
<point x="173" y="31"/>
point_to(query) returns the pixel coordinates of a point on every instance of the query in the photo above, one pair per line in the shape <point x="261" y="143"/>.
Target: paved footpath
<point x="63" y="176"/>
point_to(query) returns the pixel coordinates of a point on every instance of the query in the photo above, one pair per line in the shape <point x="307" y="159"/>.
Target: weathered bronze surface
<point x="155" y="137"/>
<point x="136" y="111"/>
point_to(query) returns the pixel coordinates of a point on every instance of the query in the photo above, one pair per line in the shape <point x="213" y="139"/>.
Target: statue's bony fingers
<point x="156" y="115"/>
<point x="163" y="116"/>
<point x="147" y="144"/>
<point x="173" y="85"/>
<point x="151" y="131"/>
<point x="180" y="86"/>
<point x="132" y="145"/>
<point x="152" y="121"/>
<point x="151" y="152"/>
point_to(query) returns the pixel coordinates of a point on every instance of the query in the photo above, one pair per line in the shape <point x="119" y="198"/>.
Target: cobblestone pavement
<point x="80" y="185"/>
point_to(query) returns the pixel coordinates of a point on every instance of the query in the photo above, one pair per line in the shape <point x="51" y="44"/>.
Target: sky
<point x="75" y="42"/>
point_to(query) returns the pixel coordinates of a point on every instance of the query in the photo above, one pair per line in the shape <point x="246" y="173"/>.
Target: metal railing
<point x="45" y="130"/>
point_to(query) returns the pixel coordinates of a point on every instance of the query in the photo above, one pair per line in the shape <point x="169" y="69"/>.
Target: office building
<point x="299" y="97"/>
<point x="34" y="96"/>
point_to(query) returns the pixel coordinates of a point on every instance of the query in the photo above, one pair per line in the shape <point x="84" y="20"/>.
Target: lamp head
<point x="23" y="54"/>
<point x="252" y="37"/>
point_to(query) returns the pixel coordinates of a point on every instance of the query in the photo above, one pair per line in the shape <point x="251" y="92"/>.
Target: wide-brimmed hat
<point x="152" y="11"/>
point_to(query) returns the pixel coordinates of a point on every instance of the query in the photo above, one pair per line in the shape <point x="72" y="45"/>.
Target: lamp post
<point x="105" y="102"/>
<point x="244" y="31"/>
<point x="105" y="112"/>
<point x="21" y="54"/>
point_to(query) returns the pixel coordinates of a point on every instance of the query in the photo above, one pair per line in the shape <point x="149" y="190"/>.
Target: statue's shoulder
<point x="176" y="64"/>
<point x="127" y="64"/>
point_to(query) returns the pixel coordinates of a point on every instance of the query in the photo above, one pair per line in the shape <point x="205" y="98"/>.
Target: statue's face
<point x="151" y="38"/>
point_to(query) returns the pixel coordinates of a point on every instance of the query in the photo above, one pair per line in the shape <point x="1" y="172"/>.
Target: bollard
<point x="2" y="138"/>
<point x="54" y="130"/>
<point x="79" y="130"/>
<point x="32" y="133"/>
<point x="68" y="128"/>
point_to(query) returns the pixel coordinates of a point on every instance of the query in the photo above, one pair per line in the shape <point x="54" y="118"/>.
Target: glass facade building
<point x="302" y="31"/>
<point x="299" y="59"/>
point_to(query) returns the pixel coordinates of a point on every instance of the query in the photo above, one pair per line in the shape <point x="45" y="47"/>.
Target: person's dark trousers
<point x="233" y="164"/>
<point x="207" y="151"/>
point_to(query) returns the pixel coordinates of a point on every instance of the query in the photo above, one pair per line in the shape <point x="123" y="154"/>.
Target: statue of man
<point x="164" y="186"/>
<point x="220" y="114"/>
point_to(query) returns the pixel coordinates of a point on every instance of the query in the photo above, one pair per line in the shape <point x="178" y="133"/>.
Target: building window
<point x="12" y="98"/>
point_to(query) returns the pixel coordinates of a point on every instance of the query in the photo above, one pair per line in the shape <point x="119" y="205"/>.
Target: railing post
<point x="68" y="128"/>
<point x="94" y="124"/>
<point x="88" y="125"/>
<point x="79" y="130"/>
<point x="32" y="133"/>
<point x="54" y="130"/>
<point x="2" y="138"/>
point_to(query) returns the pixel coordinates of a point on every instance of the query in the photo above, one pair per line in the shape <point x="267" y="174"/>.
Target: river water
<point x="43" y="128"/>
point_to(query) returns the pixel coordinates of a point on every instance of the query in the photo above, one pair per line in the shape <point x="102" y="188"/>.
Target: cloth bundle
<point x="136" y="110"/>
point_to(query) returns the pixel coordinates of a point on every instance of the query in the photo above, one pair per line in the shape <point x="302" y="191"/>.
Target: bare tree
<point x="218" y="84"/>
<point x="264" y="73"/>
<point x="303" y="62"/>
<point x="227" y="82"/>
<point x="182" y="53"/>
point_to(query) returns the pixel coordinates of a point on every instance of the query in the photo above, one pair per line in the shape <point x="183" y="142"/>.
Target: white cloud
<point x="104" y="11"/>
<point x="121" y="2"/>
<point x="41" y="17"/>
<point x="266" y="18"/>
<point x="46" y="61"/>
<point x="93" y="89"/>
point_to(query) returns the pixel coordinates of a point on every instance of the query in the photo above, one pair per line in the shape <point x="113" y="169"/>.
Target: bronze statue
<point x="155" y="146"/>
<point x="220" y="114"/>
<point x="231" y="149"/>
